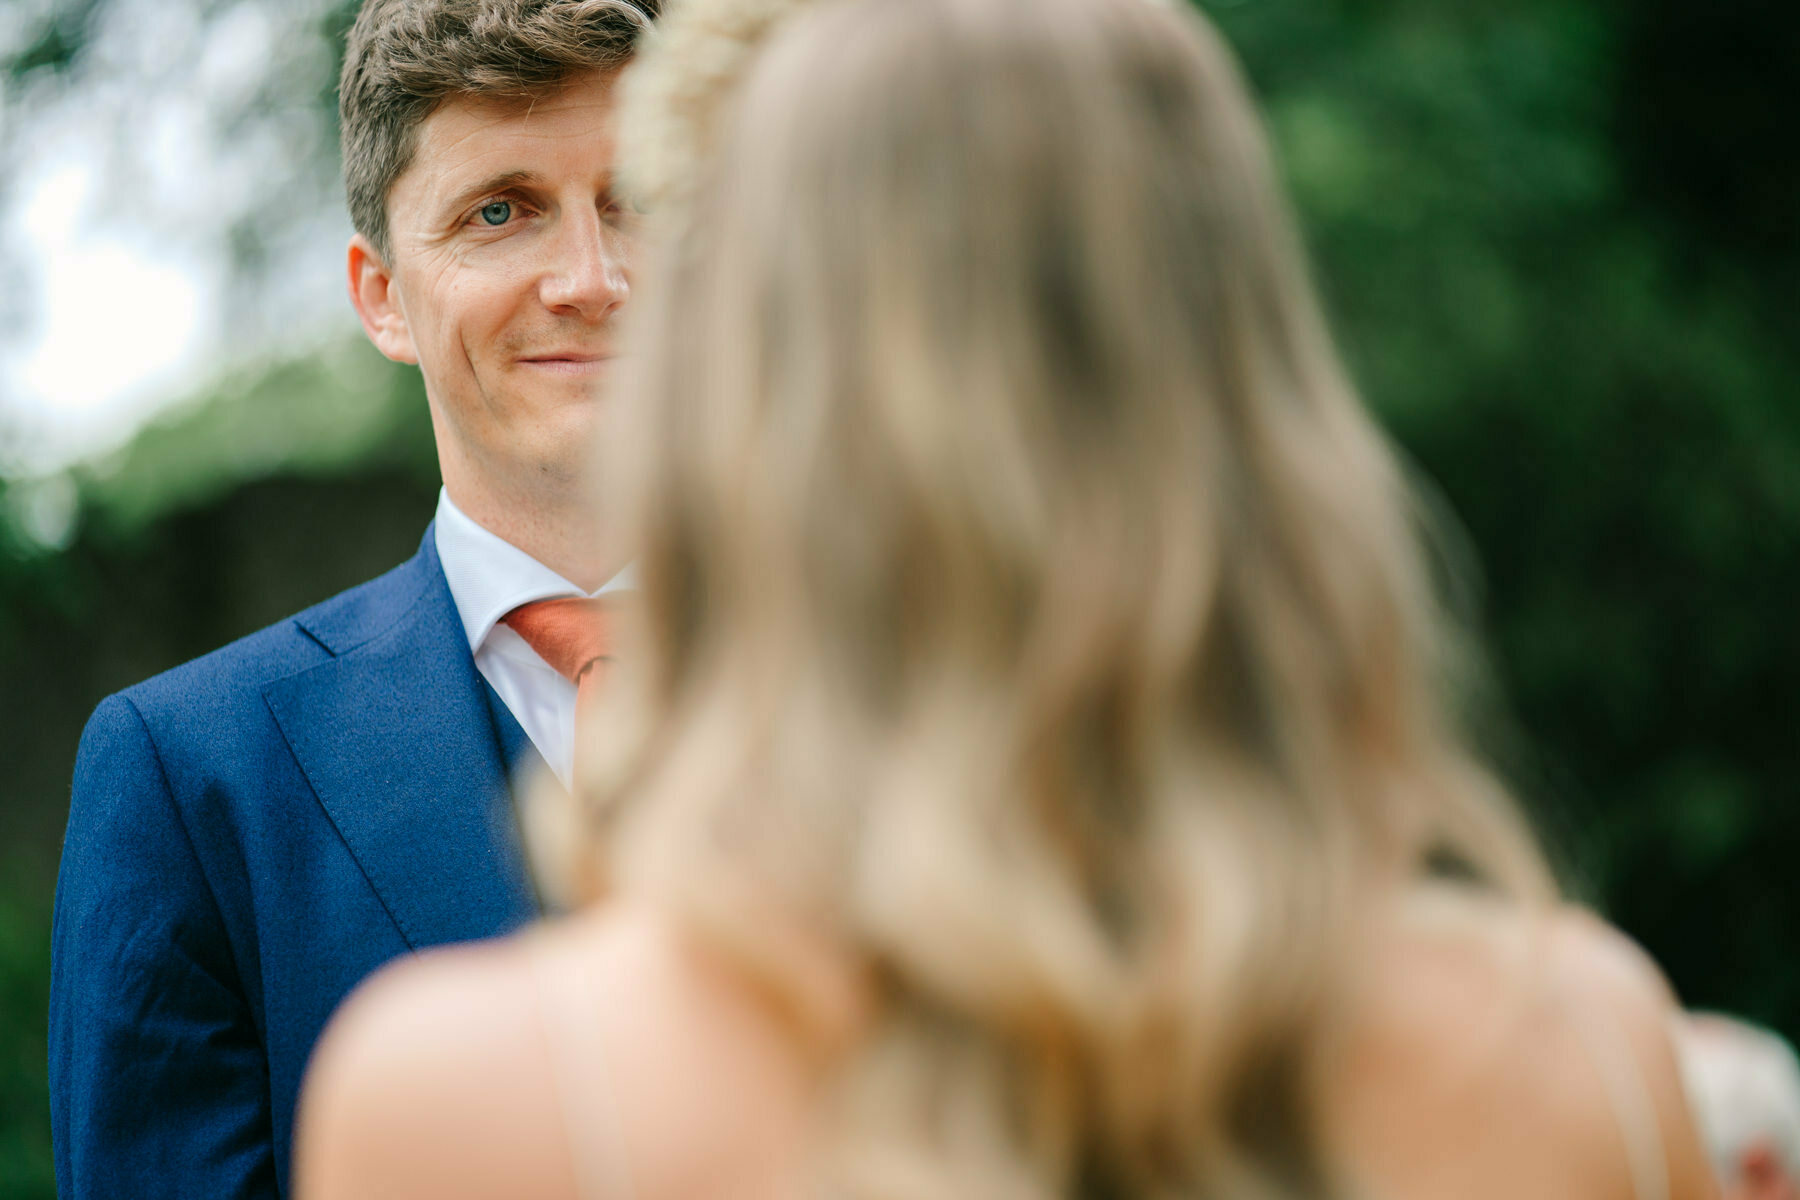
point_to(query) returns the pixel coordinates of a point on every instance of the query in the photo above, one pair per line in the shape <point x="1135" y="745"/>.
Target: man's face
<point x="509" y="266"/>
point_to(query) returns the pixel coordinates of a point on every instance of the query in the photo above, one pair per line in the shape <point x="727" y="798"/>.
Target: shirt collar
<point x="489" y="576"/>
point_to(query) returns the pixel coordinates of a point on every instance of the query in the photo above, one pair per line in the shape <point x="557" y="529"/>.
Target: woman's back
<point x="1485" y="1056"/>
<point x="1489" y="1053"/>
<point x="599" y="1059"/>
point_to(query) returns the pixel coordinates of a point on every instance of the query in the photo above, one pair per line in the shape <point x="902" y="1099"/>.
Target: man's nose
<point x="589" y="271"/>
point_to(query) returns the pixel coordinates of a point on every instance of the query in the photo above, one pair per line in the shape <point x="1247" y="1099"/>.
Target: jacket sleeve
<point x="158" y="1077"/>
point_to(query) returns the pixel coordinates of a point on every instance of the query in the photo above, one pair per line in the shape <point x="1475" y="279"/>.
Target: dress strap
<point x="577" y="1057"/>
<point x="1633" y="1110"/>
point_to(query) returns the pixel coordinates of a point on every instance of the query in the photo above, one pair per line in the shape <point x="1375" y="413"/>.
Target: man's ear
<point x="377" y="301"/>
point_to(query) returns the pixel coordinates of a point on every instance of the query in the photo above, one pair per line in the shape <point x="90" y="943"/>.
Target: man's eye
<point x="497" y="212"/>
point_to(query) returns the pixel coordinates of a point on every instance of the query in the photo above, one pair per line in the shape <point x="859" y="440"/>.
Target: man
<point x="1744" y="1085"/>
<point x="253" y="833"/>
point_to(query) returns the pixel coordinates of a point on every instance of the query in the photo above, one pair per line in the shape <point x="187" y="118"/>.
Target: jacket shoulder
<point x="236" y="673"/>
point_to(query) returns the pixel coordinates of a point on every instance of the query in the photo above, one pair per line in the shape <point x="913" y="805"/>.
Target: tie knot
<point x="571" y="633"/>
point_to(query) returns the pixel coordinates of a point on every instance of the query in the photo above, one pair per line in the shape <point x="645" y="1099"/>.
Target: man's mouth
<point x="569" y="362"/>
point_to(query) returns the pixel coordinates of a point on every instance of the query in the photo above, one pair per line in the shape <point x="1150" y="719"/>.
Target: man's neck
<point x="564" y="536"/>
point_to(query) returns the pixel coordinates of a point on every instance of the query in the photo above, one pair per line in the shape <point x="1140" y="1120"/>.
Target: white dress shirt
<point x="488" y="578"/>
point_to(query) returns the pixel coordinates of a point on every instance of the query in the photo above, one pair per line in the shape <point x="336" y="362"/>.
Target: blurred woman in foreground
<point x="1033" y="774"/>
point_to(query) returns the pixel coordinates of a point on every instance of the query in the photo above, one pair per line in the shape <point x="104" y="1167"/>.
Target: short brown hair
<point x="405" y="57"/>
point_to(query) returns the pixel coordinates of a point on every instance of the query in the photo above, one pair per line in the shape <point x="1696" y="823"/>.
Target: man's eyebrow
<point x="486" y="187"/>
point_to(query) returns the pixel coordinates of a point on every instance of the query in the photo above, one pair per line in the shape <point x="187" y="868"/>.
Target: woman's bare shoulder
<point x="1494" y="1051"/>
<point x="429" y="1082"/>
<point x="473" y="1071"/>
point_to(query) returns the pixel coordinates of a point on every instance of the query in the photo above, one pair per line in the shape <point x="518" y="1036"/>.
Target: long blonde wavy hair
<point x="1031" y="614"/>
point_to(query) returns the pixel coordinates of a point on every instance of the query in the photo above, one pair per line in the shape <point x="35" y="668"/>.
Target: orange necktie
<point x="572" y="634"/>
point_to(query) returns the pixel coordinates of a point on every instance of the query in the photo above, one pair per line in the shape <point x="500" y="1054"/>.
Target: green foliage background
<point x="1560" y="244"/>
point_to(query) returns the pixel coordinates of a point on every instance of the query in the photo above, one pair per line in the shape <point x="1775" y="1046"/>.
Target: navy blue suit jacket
<point x="251" y="834"/>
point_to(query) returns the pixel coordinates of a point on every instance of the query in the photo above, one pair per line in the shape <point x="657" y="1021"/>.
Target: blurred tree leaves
<point x="54" y="42"/>
<point x="1559" y="243"/>
<point x="26" y="1169"/>
<point x="343" y="410"/>
<point x="201" y="135"/>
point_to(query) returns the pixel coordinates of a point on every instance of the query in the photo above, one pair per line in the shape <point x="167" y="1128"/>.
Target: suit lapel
<point x="397" y="739"/>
